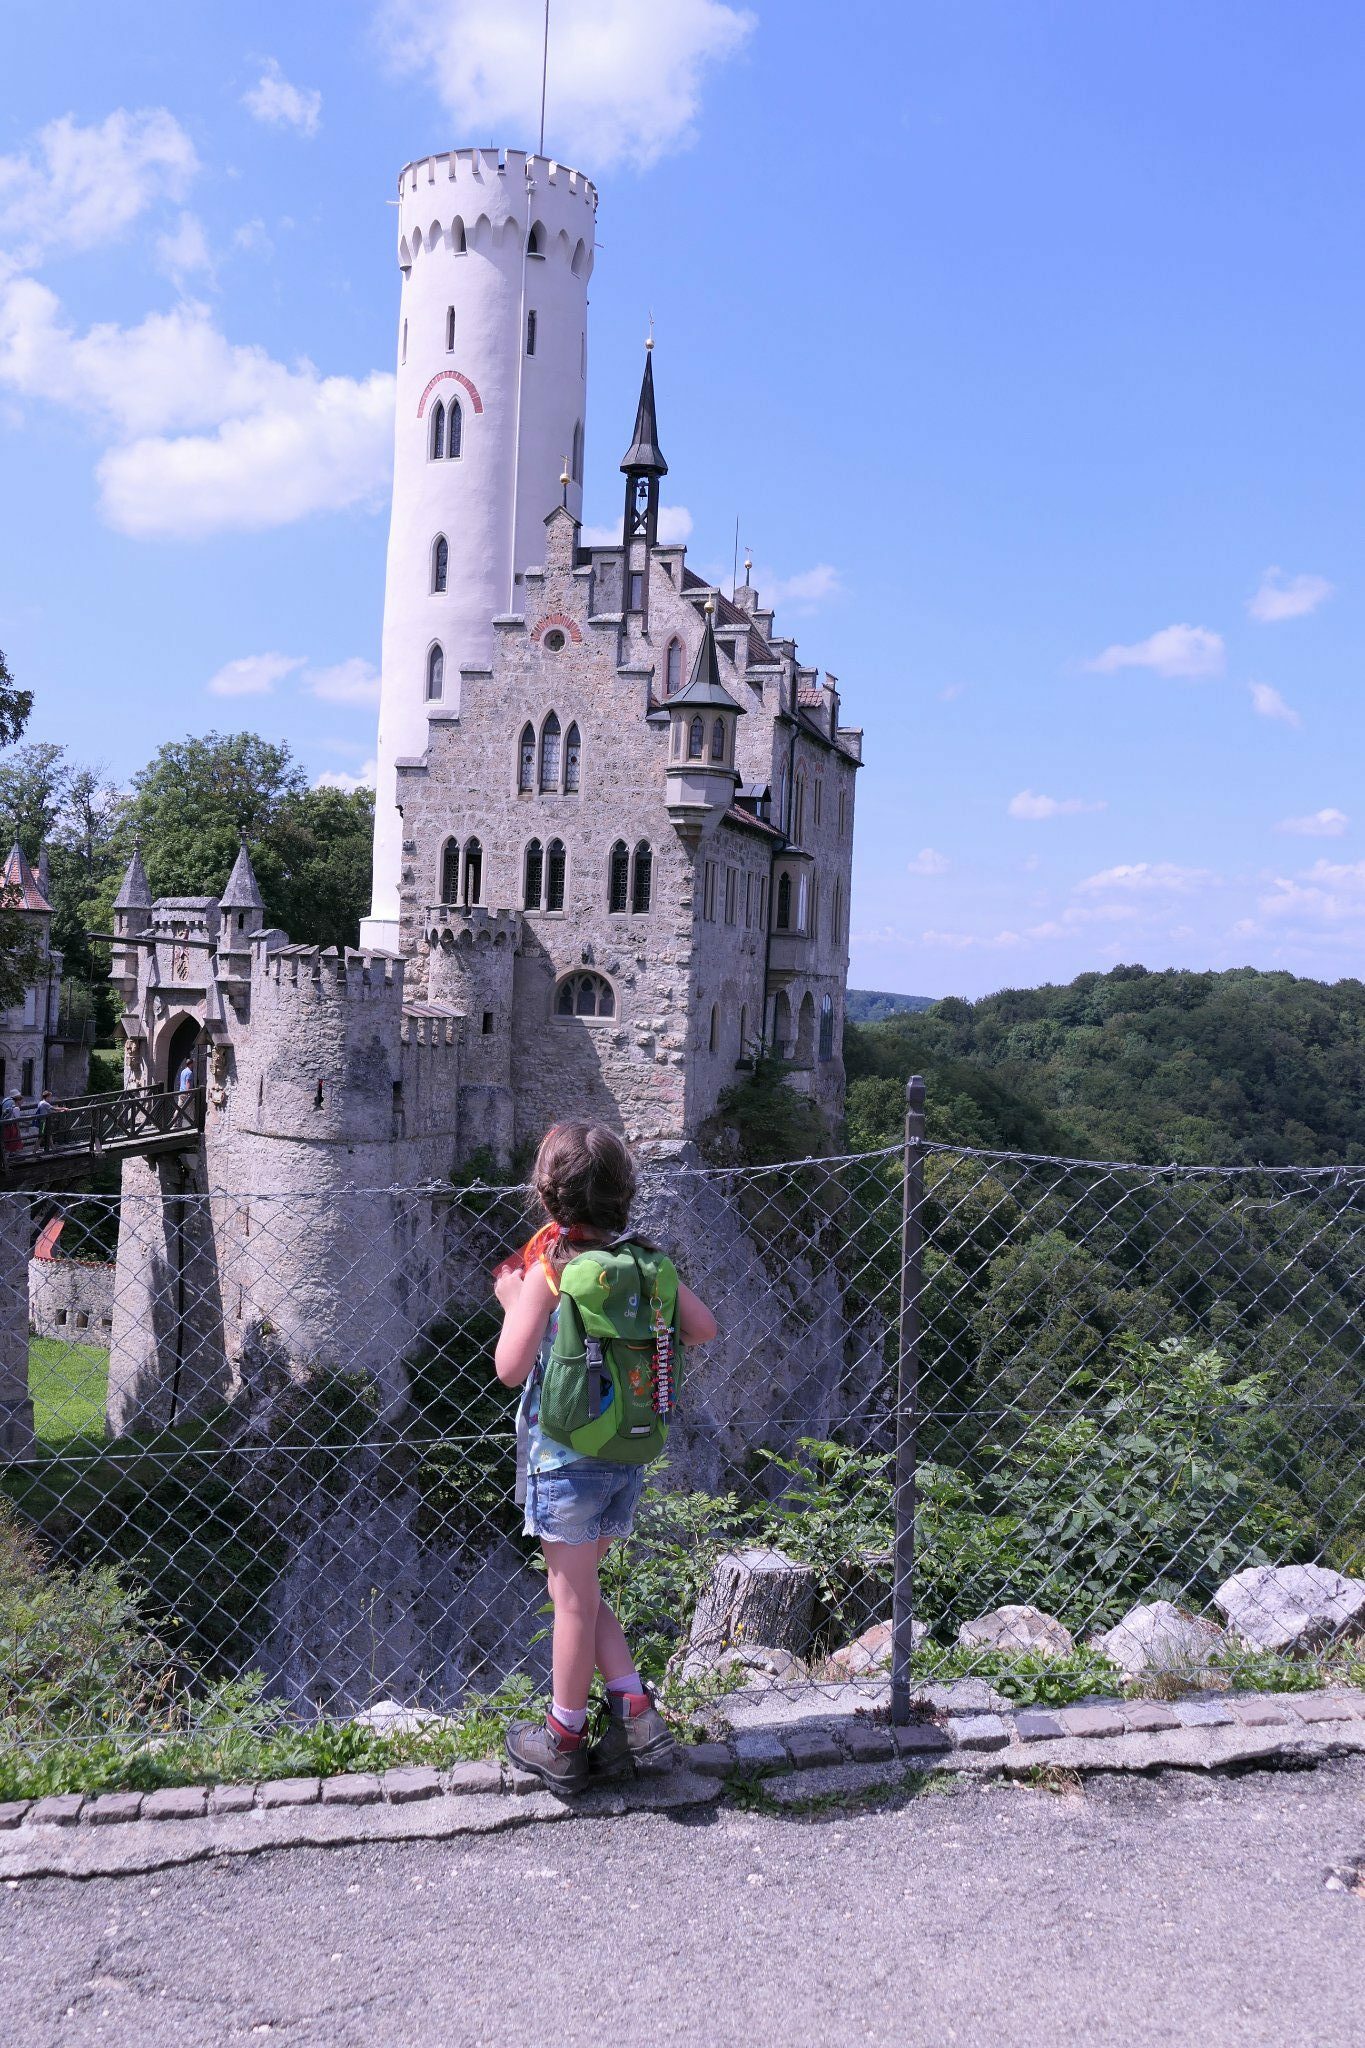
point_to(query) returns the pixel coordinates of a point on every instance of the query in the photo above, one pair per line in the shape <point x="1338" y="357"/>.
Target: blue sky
<point x="1023" y="339"/>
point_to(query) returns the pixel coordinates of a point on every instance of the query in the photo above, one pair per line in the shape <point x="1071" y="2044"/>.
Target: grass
<point x="68" y="1384"/>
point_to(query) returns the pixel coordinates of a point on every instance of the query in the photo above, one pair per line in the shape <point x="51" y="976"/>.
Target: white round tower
<point x="496" y="249"/>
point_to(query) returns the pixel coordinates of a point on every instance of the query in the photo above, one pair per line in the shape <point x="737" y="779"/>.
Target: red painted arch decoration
<point x="565" y="624"/>
<point x="460" y="378"/>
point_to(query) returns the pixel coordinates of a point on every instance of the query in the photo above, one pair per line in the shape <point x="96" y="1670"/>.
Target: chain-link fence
<point x="1057" y="1414"/>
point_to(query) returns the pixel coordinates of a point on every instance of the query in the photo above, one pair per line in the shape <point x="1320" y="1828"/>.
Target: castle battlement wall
<point x="444" y="201"/>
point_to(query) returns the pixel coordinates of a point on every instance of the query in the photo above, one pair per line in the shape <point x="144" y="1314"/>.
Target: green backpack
<point x="611" y="1384"/>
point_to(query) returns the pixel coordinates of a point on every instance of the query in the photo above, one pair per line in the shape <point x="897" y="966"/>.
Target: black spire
<point x="644" y="457"/>
<point x="643" y="465"/>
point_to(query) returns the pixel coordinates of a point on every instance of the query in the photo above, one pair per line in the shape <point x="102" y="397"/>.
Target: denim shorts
<point x="581" y="1502"/>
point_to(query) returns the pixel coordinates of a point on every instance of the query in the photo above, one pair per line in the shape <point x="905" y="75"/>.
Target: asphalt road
<point x="1172" y="1910"/>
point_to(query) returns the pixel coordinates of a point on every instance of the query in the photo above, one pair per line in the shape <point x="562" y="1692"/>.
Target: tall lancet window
<point x="450" y="871"/>
<point x="438" y="431"/>
<point x="535" y="869"/>
<point x="573" y="760"/>
<point x="618" y="877"/>
<point x="440" y="564"/>
<point x="673" y="668"/>
<point x="455" y="429"/>
<point x="549" y="756"/>
<point x="473" y="873"/>
<point x="436" y="668"/>
<point x="526" y="764"/>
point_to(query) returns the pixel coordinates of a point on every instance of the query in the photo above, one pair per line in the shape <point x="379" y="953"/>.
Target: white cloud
<point x="927" y="862"/>
<point x="210" y="435"/>
<point x="624" y="79"/>
<point x="184" y="249"/>
<point x="675" y="530"/>
<point x="804" y="592"/>
<point x="1033" y="807"/>
<point x="253" y="675"/>
<point x="281" y="105"/>
<point x="252" y="235"/>
<point x="1328" y="893"/>
<point x="337" y="778"/>
<point x="1174" y="651"/>
<point x="950" y="692"/>
<point x="1153" y="875"/>
<point x="1268" y="703"/>
<point x="350" y="682"/>
<point x="1287" y="597"/>
<point x="960" y="941"/>
<point x="1327" y="824"/>
<point x="76" y="187"/>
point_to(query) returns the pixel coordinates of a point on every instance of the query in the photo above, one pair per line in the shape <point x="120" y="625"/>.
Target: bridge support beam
<point x="16" y="1405"/>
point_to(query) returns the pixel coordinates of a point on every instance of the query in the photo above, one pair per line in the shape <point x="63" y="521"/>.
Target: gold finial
<point x="710" y="605"/>
<point x="564" y="473"/>
<point x="649" y="338"/>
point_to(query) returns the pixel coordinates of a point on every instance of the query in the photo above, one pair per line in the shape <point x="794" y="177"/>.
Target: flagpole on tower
<point x="544" y="74"/>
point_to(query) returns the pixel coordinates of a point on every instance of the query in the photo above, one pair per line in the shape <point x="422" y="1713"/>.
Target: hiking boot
<point x="542" y="1750"/>
<point x="637" y="1735"/>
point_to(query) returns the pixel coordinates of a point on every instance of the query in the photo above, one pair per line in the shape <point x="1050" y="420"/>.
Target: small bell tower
<point x="701" y="744"/>
<point x="643" y="466"/>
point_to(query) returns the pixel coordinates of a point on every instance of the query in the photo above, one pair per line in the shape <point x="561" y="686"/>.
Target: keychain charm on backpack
<point x="663" y="1363"/>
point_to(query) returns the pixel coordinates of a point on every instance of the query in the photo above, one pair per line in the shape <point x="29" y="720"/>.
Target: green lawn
<point x="68" y="1384"/>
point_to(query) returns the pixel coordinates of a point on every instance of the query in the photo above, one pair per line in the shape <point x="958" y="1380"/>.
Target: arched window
<point x="805" y="1030"/>
<point x="784" y="903"/>
<point x="450" y="330"/>
<point x="549" y="756"/>
<point x="436" y="668"/>
<point x="457" y="240"/>
<point x="533" y="875"/>
<point x="473" y="872"/>
<point x="555" y="864"/>
<point x="438" y="431"/>
<point x="618" y="877"/>
<point x="696" y="740"/>
<point x="535" y="241"/>
<point x="576" y="464"/>
<point x="450" y="871"/>
<point x="585" y="995"/>
<point x="455" y="429"/>
<point x="743" y="1029"/>
<point x="573" y="760"/>
<point x="715" y="1027"/>
<point x="673" y="668"/>
<point x="642" y="878"/>
<point x="782" y="801"/>
<point x="802" y="903"/>
<point x="526" y="759"/>
<point x="799" y="821"/>
<point x="531" y="332"/>
<point x="440" y="563"/>
<point x="782" y="1025"/>
<point x="827" y="1027"/>
<point x="718" y="740"/>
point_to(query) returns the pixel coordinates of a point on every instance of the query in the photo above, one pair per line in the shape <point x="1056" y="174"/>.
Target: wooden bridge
<point x="139" y="1122"/>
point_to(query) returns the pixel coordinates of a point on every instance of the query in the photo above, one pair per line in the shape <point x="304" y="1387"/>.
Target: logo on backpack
<point x="611" y="1384"/>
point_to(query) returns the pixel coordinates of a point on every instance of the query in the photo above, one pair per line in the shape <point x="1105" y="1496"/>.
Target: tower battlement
<point x="284" y="972"/>
<point x="490" y="185"/>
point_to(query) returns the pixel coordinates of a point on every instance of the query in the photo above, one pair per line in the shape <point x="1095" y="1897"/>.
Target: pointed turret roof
<point x="241" y="892"/>
<point x="704" y="689"/>
<point x="644" y="456"/>
<point x="21" y="891"/>
<point x="134" y="892"/>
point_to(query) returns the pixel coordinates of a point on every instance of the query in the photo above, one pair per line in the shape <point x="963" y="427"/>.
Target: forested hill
<point x="1218" y="1069"/>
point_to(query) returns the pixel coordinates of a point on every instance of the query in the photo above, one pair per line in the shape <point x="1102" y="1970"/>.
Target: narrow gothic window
<point x="817" y="800"/>
<point x="696" y="740"/>
<point x="534" y="244"/>
<point x="802" y="904"/>
<point x="549" y="756"/>
<point x="573" y="760"/>
<point x="526" y="761"/>
<point x="838" y="911"/>
<point x="731" y="893"/>
<point x="535" y="868"/>
<point x="743" y="1028"/>
<point x="784" y="903"/>
<point x="450" y="872"/>
<point x="473" y="873"/>
<point x="715" y="1026"/>
<point x="673" y="668"/>
<point x="642" y="882"/>
<point x="827" y="1027"/>
<point x="436" y="665"/>
<point x="450" y="329"/>
<point x="618" y="877"/>
<point x="815" y="907"/>
<point x="554" y="875"/>
<point x="718" y="740"/>
<point x="637" y="590"/>
<point x="455" y="429"/>
<point x="576" y="468"/>
<point x="799" y="821"/>
<point x="843" y="812"/>
<point x="440" y="563"/>
<point x="438" y="431"/>
<point x="457" y="240"/>
<point x="531" y="332"/>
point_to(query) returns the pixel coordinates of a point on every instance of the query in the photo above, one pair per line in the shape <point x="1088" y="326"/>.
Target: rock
<point x="1017" y="1628"/>
<point x="766" y="1665"/>
<point x="753" y="1597"/>
<point x="1292" y="1606"/>
<point x="389" y="1717"/>
<point x="1159" y="1636"/>
<point x="871" y="1651"/>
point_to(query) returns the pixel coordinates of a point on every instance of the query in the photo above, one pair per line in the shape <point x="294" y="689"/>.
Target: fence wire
<point x="256" y="1451"/>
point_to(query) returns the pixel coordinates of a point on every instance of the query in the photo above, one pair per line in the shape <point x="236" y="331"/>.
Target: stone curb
<point x="68" y="1834"/>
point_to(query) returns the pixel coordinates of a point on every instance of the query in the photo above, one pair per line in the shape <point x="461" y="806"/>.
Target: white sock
<point x="632" y="1682"/>
<point x="575" y="1719"/>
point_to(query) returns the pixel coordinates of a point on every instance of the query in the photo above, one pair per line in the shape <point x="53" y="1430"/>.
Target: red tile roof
<point x="18" y="886"/>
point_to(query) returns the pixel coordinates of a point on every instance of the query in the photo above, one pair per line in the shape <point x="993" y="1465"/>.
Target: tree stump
<point x="753" y="1597"/>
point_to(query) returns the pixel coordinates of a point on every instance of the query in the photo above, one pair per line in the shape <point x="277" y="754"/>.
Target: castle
<point x="612" y="846"/>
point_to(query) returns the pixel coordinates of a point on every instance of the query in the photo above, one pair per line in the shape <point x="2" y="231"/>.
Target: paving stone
<point x="981" y="1731"/>
<point x="1150" y="1717"/>
<point x="1254" y="1713"/>
<point x="519" y="1781"/>
<point x="757" y="1750"/>
<point x="12" y="1812"/>
<point x="176" y="1802"/>
<point x="1316" y="1706"/>
<point x="288" y="1792"/>
<point x="351" y="1788"/>
<point x="416" y="1782"/>
<point x="58" y="1811"/>
<point x="869" y="1742"/>
<point x="1205" y="1714"/>
<point x="232" y="1799"/>
<point x="1033" y="1726"/>
<point x="1092" y="1722"/>
<point x="485" y="1776"/>
<point x="921" y="1738"/>
<point x="812" y="1748"/>
<point x="709" y="1759"/>
<point x="110" y="1807"/>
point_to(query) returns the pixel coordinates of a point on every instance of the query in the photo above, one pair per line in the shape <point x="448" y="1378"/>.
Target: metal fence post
<point x="907" y="1402"/>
